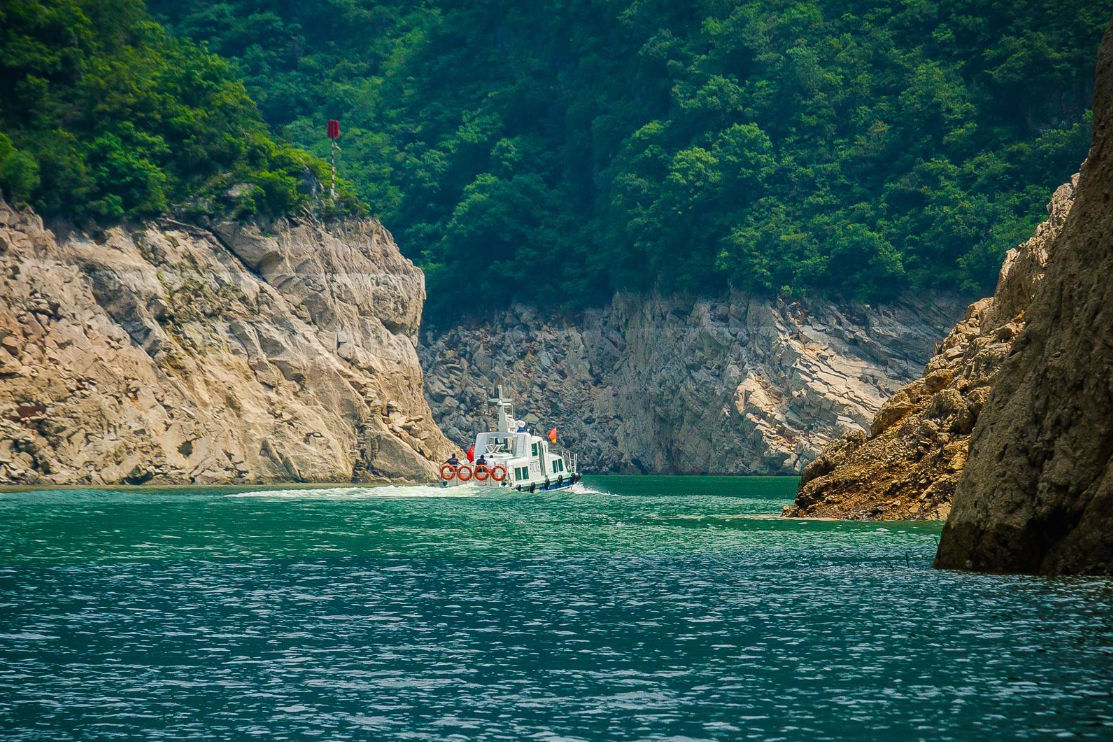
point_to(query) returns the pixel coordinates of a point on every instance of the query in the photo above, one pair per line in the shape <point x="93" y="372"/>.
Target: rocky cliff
<point x="909" y="463"/>
<point x="168" y="353"/>
<point x="1037" y="491"/>
<point x="739" y="385"/>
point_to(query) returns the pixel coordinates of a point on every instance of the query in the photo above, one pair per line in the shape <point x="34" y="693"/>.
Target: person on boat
<point x="482" y="461"/>
<point x="452" y="460"/>
<point x="471" y="454"/>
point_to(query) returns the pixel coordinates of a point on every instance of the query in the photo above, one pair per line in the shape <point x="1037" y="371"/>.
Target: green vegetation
<point x="104" y="115"/>
<point x="553" y="153"/>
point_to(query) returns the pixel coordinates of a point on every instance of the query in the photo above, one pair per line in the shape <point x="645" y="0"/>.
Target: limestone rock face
<point x="1037" y="491"/>
<point x="168" y="353"/>
<point x="909" y="465"/>
<point x="739" y="385"/>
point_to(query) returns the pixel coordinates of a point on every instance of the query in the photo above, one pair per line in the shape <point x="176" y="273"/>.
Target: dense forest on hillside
<point x="104" y="115"/>
<point x="553" y="153"/>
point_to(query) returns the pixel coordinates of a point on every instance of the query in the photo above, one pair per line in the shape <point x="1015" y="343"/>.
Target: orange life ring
<point x="498" y="473"/>
<point x="481" y="473"/>
<point x="464" y="473"/>
<point x="448" y="471"/>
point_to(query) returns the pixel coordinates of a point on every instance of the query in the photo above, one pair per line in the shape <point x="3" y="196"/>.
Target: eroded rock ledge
<point x="738" y="385"/>
<point x="169" y="353"/>
<point x="908" y="466"/>
<point x="1037" y="492"/>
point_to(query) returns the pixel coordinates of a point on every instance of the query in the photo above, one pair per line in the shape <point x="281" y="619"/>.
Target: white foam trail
<point x="364" y="492"/>
<point x="579" y="488"/>
<point x="394" y="491"/>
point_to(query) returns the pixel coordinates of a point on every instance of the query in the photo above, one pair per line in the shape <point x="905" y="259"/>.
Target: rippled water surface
<point x="633" y="608"/>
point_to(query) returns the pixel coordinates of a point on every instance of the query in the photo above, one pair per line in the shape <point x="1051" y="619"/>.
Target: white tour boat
<point x="514" y="457"/>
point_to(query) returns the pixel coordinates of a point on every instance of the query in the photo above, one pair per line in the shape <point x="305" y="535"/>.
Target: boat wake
<point x="395" y="492"/>
<point x="376" y="492"/>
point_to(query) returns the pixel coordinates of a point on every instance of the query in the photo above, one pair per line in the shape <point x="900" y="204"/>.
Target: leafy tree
<point x="19" y="172"/>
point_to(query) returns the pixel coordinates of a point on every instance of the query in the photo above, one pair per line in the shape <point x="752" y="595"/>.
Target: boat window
<point x="533" y="450"/>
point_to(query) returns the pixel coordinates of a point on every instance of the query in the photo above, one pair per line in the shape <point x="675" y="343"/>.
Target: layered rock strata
<point x="908" y="466"/>
<point x="740" y="385"/>
<point x="166" y="353"/>
<point x="1037" y="491"/>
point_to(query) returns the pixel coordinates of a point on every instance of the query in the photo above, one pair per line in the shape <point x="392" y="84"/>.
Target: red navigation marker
<point x="333" y="134"/>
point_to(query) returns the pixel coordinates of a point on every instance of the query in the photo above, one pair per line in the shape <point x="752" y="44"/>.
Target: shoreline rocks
<point x="1037" y="491"/>
<point x="909" y="464"/>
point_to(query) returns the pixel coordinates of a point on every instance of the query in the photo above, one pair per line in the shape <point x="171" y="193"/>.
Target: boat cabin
<point x="513" y="456"/>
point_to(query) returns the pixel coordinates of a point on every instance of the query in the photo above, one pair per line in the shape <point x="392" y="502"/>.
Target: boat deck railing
<point x="571" y="460"/>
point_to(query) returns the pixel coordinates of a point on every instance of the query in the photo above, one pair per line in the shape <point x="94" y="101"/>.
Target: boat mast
<point x="505" y="409"/>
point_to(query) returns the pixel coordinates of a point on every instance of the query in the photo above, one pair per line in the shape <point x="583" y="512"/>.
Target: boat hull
<point x="542" y="487"/>
<point x="560" y="483"/>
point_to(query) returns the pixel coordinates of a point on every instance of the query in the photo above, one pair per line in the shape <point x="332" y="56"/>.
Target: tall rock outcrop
<point x="739" y="385"/>
<point x="1037" y="491"/>
<point x="168" y="353"/>
<point x="909" y="464"/>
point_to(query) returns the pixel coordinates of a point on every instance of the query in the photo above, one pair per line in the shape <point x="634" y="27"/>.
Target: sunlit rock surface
<point x="909" y="464"/>
<point x="739" y="385"/>
<point x="169" y="353"/>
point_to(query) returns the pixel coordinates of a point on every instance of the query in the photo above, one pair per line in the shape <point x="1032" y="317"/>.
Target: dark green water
<point x="664" y="608"/>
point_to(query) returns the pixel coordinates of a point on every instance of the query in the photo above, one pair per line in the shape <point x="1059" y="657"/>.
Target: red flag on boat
<point x="471" y="454"/>
<point x="333" y="129"/>
<point x="552" y="435"/>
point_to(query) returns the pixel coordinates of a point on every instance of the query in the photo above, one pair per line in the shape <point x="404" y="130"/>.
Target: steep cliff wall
<point x="1037" y="491"/>
<point x="167" y="353"/>
<point x="739" y="385"/>
<point x="909" y="464"/>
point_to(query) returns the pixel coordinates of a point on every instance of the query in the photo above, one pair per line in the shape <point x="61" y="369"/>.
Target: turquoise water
<point x="655" y="608"/>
